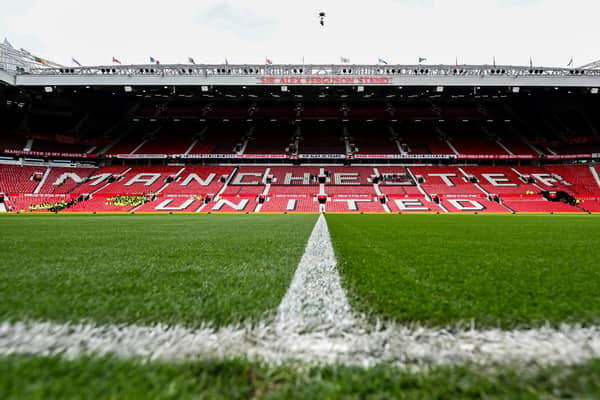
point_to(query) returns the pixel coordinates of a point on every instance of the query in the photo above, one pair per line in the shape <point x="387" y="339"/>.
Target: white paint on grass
<point x="368" y="346"/>
<point x="314" y="324"/>
<point x="315" y="300"/>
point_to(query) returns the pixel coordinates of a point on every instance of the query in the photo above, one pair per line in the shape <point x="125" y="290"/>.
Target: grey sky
<point x="399" y="31"/>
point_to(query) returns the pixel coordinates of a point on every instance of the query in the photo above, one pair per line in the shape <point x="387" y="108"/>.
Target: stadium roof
<point x="304" y="75"/>
<point x="21" y="68"/>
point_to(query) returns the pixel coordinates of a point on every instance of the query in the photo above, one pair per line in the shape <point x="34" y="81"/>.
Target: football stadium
<point x="270" y="230"/>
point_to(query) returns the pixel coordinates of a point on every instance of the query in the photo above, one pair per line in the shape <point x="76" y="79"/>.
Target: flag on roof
<point x="570" y="62"/>
<point x="344" y="60"/>
<point x="421" y="59"/>
<point x="75" y="61"/>
<point x="226" y="61"/>
<point x="191" y="60"/>
<point x="494" y="62"/>
<point x="381" y="61"/>
<point x="530" y="62"/>
<point x="154" y="60"/>
<point x="268" y="61"/>
<point x="39" y="60"/>
<point x="115" y="60"/>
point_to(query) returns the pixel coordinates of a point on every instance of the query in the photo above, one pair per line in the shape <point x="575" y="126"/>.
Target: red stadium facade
<point x="292" y="139"/>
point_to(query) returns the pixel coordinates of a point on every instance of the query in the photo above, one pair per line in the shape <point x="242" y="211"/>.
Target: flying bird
<point x="322" y="18"/>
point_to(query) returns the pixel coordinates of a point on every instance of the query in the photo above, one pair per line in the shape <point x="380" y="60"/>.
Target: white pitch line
<point x="314" y="325"/>
<point x="393" y="345"/>
<point x="315" y="299"/>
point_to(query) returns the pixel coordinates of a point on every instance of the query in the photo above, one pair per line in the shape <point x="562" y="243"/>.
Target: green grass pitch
<point x="434" y="270"/>
<point x="146" y="269"/>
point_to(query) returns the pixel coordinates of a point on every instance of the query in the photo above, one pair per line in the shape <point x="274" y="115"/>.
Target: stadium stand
<point x="219" y="140"/>
<point x="295" y="175"/>
<point x="500" y="180"/>
<point x="293" y="191"/>
<point x="422" y="138"/>
<point x="546" y="180"/>
<point x="373" y="140"/>
<point x="467" y="138"/>
<point x="348" y="175"/>
<point x="281" y="202"/>
<point x="172" y="204"/>
<point x="37" y="202"/>
<point x="590" y="205"/>
<point x="303" y="148"/>
<point x="56" y="147"/>
<point x="347" y="188"/>
<point x="580" y="177"/>
<point x="100" y="203"/>
<point x="321" y="139"/>
<point x="12" y="142"/>
<point x="170" y="139"/>
<point x="20" y="179"/>
<point x="99" y="179"/>
<point x="396" y="181"/>
<point x="198" y="180"/>
<point x="354" y="204"/>
<point x="412" y="204"/>
<point x="471" y="204"/>
<point x="141" y="180"/>
<point x="133" y="139"/>
<point x="270" y="139"/>
<point x="444" y="180"/>
<point x="537" y="204"/>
